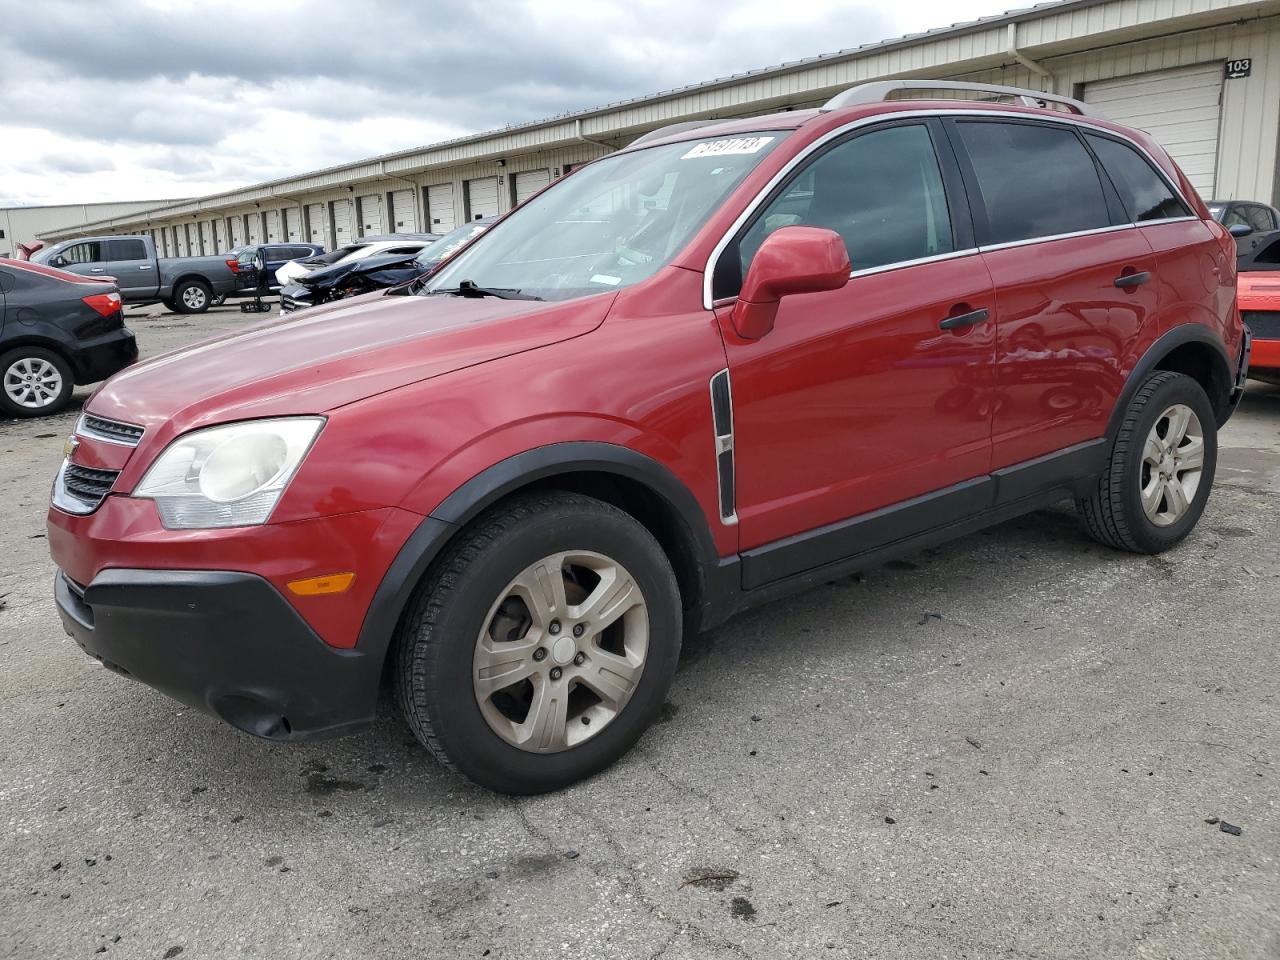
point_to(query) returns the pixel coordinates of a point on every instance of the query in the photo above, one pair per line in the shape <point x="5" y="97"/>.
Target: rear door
<point x="134" y="270"/>
<point x="1072" y="279"/>
<point x="859" y="399"/>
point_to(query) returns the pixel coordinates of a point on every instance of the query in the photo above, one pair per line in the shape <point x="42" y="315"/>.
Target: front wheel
<point x="542" y="644"/>
<point x="1157" y="481"/>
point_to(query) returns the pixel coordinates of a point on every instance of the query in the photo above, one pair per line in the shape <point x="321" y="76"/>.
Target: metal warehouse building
<point x="1203" y="76"/>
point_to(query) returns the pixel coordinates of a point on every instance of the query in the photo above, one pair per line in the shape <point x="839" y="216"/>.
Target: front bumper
<point x="225" y="643"/>
<point x="104" y="356"/>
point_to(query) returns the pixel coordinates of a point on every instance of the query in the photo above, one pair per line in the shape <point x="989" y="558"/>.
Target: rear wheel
<point x="542" y="644"/>
<point x="34" y="382"/>
<point x="1156" y="484"/>
<point x="192" y="296"/>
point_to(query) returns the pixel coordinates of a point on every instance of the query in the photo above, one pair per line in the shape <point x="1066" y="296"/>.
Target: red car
<point x="727" y="363"/>
<point x="1259" y="300"/>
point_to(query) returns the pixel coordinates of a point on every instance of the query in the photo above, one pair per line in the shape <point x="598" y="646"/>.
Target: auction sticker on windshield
<point x="720" y="148"/>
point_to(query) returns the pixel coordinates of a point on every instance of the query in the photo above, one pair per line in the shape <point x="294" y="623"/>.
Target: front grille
<point x="87" y="485"/>
<point x="112" y="431"/>
<point x="290" y="303"/>
<point x="1263" y="324"/>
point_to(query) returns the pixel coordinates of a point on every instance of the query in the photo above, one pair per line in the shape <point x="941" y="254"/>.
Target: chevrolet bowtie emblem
<point x="71" y="446"/>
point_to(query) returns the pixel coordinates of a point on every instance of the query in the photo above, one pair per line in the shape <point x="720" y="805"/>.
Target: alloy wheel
<point x="193" y="297"/>
<point x="561" y="651"/>
<point x="1172" y="464"/>
<point x="32" y="382"/>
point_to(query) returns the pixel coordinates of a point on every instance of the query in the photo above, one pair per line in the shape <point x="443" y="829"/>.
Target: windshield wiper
<point x="467" y="288"/>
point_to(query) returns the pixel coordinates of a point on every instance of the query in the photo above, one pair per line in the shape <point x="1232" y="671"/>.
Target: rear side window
<point x="1259" y="218"/>
<point x="1143" y="192"/>
<point x="1036" y="180"/>
<point x="881" y="191"/>
<point x="126" y="250"/>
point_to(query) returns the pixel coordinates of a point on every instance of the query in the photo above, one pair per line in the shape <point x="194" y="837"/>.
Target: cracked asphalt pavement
<point x="1010" y="746"/>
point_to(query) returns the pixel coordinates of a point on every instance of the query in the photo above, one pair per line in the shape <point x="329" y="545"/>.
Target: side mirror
<point x="58" y="261"/>
<point x="791" y="260"/>
<point x="1240" y="230"/>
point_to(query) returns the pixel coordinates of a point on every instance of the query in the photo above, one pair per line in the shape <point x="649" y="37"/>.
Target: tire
<point x="47" y="391"/>
<point x="170" y="306"/>
<point x="439" y="649"/>
<point x="192" y="296"/>
<point x="1114" y="512"/>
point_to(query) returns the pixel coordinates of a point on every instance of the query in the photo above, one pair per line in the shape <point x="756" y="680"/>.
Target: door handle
<point x="1127" y="281"/>
<point x="970" y="319"/>
<point x="145" y="266"/>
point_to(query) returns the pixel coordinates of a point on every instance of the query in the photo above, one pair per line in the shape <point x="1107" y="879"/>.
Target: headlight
<point x="230" y="476"/>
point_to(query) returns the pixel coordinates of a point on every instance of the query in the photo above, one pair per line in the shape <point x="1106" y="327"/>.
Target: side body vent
<point x="722" y="420"/>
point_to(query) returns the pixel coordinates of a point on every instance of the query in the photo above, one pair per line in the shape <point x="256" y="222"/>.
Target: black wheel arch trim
<point x="506" y="477"/>
<point x="1150" y="360"/>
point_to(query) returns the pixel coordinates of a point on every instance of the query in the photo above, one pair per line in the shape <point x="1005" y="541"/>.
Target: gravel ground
<point x="1012" y="746"/>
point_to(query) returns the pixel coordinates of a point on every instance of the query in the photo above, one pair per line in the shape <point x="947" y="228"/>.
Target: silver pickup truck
<point x="184" y="284"/>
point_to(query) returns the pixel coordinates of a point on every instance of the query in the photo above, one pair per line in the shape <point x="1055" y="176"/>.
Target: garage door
<point x="254" y="222"/>
<point x="273" y="226"/>
<point x="292" y="226"/>
<point x="370" y="207"/>
<point x="207" y="246"/>
<point x="315" y="223"/>
<point x="1177" y="107"/>
<point x="403" y="216"/>
<point x="482" y="198"/>
<point x="341" y="222"/>
<point x="440" y="208"/>
<point x="530" y="182"/>
<point x="237" y="231"/>
<point x="220" y="244"/>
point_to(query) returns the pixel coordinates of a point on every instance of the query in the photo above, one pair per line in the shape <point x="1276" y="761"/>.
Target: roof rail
<point x="879" y="91"/>
<point x="670" y="129"/>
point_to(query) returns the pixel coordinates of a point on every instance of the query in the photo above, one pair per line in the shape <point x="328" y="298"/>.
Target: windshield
<point x="609" y="225"/>
<point x="450" y="242"/>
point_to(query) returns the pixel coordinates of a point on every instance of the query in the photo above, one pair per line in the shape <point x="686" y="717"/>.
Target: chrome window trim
<point x="1063" y="119"/>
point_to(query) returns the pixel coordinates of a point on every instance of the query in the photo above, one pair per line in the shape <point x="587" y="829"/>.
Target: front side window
<point x="87" y="252"/>
<point x="1259" y="218"/>
<point x="1143" y="192"/>
<point x="1035" y="180"/>
<point x="609" y="225"/>
<point x="1234" y="217"/>
<point x="881" y="191"/>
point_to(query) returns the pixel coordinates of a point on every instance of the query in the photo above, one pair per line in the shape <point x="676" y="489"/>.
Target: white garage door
<point x="220" y="244"/>
<point x="180" y="242"/>
<point x="530" y="182"/>
<point x="341" y="222"/>
<point x="292" y="226"/>
<point x="482" y="198"/>
<point x="1177" y="107"/>
<point x="273" y="226"/>
<point x="237" y="231"/>
<point x="315" y="223"/>
<point x="207" y="246"/>
<point x="440" y="208"/>
<point x="255" y="227"/>
<point x="404" y="218"/>
<point x="370" y="208"/>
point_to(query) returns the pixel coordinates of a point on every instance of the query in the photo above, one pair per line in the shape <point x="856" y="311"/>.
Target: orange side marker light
<point x="318" y="586"/>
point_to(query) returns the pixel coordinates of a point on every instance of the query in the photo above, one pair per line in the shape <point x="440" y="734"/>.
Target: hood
<point x="334" y="354"/>
<point x="1258" y="290"/>
<point x="332" y="275"/>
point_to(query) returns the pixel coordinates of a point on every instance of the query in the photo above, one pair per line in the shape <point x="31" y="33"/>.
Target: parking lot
<point x="1012" y="746"/>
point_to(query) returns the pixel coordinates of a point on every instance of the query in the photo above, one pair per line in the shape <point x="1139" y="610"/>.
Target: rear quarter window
<point x="1035" y="180"/>
<point x="1145" y="194"/>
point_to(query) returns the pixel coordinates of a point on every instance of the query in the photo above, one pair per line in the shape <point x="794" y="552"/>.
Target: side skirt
<point x="795" y="564"/>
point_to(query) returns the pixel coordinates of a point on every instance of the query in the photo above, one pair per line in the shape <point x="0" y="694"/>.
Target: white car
<point x="408" y="244"/>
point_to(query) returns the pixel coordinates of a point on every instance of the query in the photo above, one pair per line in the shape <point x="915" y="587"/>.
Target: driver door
<point x="87" y="258"/>
<point x="858" y="419"/>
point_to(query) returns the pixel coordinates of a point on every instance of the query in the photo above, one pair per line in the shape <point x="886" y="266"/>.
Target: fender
<point x="1150" y="360"/>
<point x="504" y="477"/>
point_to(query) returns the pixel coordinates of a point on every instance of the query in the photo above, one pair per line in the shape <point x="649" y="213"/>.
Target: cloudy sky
<point x="144" y="99"/>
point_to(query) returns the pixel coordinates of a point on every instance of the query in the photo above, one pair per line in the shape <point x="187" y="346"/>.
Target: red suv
<point x="727" y="363"/>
